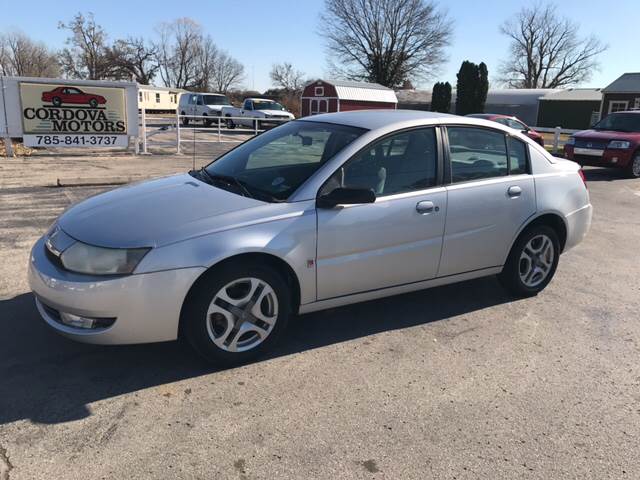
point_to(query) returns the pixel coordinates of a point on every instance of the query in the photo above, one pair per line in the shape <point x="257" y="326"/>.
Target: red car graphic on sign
<point x="61" y="95"/>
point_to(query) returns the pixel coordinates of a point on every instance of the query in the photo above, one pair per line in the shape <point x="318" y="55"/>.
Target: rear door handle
<point x="426" y="206"/>
<point x="514" y="191"/>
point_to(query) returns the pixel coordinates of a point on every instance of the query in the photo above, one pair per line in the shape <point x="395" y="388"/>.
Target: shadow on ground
<point x="49" y="379"/>
<point x="595" y="174"/>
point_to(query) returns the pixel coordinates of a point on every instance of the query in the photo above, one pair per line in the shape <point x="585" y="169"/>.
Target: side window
<point x="403" y="162"/>
<point x="517" y="156"/>
<point x="157" y="98"/>
<point x="200" y="100"/>
<point x="476" y="153"/>
<point x="248" y="105"/>
<point x="193" y="99"/>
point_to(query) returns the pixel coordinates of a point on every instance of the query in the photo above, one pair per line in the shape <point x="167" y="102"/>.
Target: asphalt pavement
<point x="457" y="382"/>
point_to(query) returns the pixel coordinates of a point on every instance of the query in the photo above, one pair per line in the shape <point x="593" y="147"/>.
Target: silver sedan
<point x="321" y="212"/>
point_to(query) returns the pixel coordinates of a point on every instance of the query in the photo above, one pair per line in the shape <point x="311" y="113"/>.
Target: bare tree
<point x="178" y="50"/>
<point x="188" y="59"/>
<point x="86" y="54"/>
<point x="385" y="41"/>
<point x="21" y="56"/>
<point x="547" y="51"/>
<point x="283" y="75"/>
<point x="228" y="73"/>
<point x="132" y="59"/>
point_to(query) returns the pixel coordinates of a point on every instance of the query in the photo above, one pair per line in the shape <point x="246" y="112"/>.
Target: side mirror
<point x="346" y="196"/>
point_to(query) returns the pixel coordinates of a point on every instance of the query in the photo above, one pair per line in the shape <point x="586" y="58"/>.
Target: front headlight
<point x="83" y="258"/>
<point x="571" y="141"/>
<point x="619" y="144"/>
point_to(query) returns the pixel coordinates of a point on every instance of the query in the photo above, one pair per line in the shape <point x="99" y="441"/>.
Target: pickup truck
<point x="256" y="113"/>
<point x="201" y="105"/>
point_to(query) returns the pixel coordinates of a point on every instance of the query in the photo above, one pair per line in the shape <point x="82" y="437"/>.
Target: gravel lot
<point x="457" y="382"/>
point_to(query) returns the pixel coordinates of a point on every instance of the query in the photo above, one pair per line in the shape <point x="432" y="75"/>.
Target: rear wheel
<point x="229" y="122"/>
<point x="93" y="102"/>
<point x="185" y="120"/>
<point x="532" y="261"/>
<point x="236" y="313"/>
<point x="57" y="101"/>
<point x="206" y="121"/>
<point x="634" y="167"/>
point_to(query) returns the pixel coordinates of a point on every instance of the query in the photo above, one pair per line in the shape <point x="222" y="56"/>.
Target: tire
<point x="185" y="120"/>
<point x="206" y="121"/>
<point x="633" y="170"/>
<point x="531" y="265"/>
<point x="57" y="101"/>
<point x="219" y="335"/>
<point x="93" y="102"/>
<point x="230" y="124"/>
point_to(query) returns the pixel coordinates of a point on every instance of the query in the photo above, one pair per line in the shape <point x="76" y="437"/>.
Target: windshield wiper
<point x="229" y="180"/>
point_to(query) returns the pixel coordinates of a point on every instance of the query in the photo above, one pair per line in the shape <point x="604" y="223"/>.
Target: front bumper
<point x="146" y="307"/>
<point x="608" y="158"/>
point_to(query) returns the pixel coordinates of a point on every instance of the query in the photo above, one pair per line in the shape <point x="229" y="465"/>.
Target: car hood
<point x="157" y="212"/>
<point x="607" y="135"/>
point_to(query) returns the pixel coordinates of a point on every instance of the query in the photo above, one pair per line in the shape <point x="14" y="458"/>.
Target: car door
<point x="247" y="112"/>
<point x="396" y="240"/>
<point x="490" y="196"/>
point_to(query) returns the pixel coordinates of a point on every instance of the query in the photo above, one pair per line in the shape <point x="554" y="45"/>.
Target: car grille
<point x="595" y="144"/>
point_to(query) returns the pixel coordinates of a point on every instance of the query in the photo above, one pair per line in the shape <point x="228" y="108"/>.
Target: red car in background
<point x="512" y="122"/>
<point x="74" y="95"/>
<point x="612" y="142"/>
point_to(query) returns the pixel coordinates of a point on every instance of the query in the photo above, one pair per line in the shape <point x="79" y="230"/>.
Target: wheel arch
<point x="552" y="219"/>
<point x="277" y="263"/>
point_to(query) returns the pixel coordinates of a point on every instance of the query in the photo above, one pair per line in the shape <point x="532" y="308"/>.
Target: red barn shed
<point x="324" y="96"/>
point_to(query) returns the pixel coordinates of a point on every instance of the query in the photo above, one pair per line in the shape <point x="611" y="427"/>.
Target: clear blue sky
<point x="286" y="30"/>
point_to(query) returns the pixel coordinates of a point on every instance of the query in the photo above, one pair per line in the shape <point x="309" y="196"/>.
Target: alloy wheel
<point x="242" y="314"/>
<point x="635" y="166"/>
<point x="536" y="260"/>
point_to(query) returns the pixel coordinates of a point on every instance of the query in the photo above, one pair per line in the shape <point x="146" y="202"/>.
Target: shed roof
<point x="626" y="83"/>
<point x="362" y="91"/>
<point x="575" y="95"/>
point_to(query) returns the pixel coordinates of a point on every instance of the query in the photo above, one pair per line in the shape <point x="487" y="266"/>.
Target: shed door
<point x="319" y="106"/>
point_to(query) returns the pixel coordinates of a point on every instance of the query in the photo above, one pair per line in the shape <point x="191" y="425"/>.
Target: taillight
<point x="584" y="180"/>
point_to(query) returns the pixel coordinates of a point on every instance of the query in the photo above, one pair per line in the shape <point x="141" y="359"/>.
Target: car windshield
<point x="215" y="100"/>
<point x="267" y="106"/>
<point x="273" y="165"/>
<point x="620" y="122"/>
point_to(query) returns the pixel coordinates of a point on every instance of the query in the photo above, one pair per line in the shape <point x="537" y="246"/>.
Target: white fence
<point x="177" y="130"/>
<point x="557" y="133"/>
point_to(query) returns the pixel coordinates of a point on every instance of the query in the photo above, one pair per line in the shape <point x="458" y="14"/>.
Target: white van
<point x="201" y="105"/>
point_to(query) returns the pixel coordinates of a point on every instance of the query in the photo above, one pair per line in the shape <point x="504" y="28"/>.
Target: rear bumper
<point x="146" y="307"/>
<point x="578" y="225"/>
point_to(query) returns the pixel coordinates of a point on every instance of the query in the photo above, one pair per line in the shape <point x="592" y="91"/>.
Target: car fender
<point x="290" y="238"/>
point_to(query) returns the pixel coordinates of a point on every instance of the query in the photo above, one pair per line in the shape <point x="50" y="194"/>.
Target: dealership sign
<point x="70" y="115"/>
<point x="52" y="112"/>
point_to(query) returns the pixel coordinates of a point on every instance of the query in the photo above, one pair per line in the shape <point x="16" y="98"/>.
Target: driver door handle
<point x="426" y="206"/>
<point x="514" y="191"/>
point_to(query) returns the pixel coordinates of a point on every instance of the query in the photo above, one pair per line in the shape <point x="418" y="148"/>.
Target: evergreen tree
<point x="441" y="97"/>
<point x="472" y="88"/>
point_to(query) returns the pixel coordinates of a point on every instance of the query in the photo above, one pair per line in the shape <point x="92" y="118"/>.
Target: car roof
<point x="376" y="119"/>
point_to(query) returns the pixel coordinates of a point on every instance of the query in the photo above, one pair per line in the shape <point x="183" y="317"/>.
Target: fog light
<point x="614" y="160"/>
<point x="78" y="321"/>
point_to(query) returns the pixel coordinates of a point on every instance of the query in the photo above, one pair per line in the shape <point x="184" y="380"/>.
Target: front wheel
<point x="230" y="124"/>
<point x="634" y="167"/>
<point x="532" y="261"/>
<point x="236" y="313"/>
